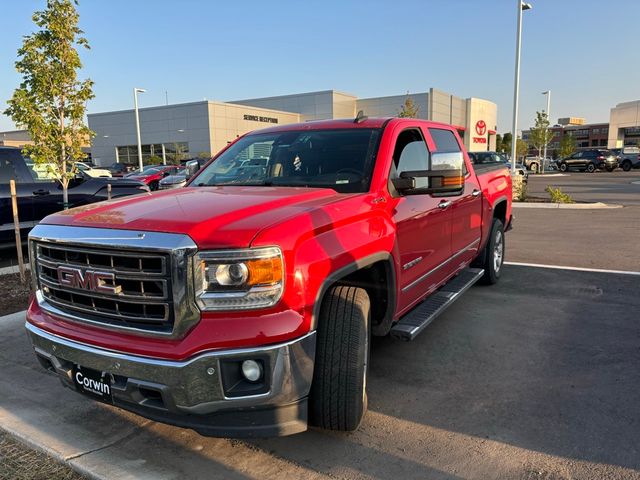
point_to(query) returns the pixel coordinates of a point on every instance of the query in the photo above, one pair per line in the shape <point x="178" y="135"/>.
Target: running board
<point x="417" y="319"/>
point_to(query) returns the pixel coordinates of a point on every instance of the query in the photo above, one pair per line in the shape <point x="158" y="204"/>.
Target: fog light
<point x="251" y="370"/>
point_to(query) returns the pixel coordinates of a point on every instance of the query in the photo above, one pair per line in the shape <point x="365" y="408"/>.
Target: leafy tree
<point x="409" y="109"/>
<point x="506" y="143"/>
<point x="540" y="135"/>
<point x="567" y="146"/>
<point x="498" y="143"/>
<point x="154" y="160"/>
<point x="521" y="148"/>
<point x="50" y="101"/>
<point x="204" y="155"/>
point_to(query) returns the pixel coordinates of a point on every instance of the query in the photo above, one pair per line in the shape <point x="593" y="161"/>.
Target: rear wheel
<point x="338" y="397"/>
<point x="626" y="165"/>
<point x="492" y="257"/>
<point x="534" y="168"/>
<point x="591" y="168"/>
<point x="154" y="185"/>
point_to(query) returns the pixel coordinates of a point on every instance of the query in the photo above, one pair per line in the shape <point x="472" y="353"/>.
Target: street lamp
<point x="135" y="103"/>
<point x="521" y="6"/>
<point x="544" y="155"/>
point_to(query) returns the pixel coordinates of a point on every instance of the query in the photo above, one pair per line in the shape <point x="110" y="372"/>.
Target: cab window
<point x="411" y="154"/>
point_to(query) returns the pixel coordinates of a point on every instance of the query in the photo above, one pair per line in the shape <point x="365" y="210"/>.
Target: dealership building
<point x="205" y="127"/>
<point x="624" y="124"/>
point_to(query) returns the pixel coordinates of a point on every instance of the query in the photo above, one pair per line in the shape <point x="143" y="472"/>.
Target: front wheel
<point x="626" y="166"/>
<point x="492" y="257"/>
<point x="563" y="167"/>
<point x="591" y="168"/>
<point x="534" y="168"/>
<point x="338" y="397"/>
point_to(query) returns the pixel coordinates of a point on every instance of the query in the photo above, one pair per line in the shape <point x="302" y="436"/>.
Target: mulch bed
<point x="15" y="295"/>
<point x="19" y="462"/>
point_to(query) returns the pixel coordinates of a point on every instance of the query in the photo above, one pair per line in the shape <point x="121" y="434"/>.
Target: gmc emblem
<point x="92" y="280"/>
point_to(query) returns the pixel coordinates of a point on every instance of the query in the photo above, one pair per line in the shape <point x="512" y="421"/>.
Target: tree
<point x="540" y="135"/>
<point x="498" y="143"/>
<point x="409" y="109"/>
<point x="521" y="148"/>
<point x="506" y="143"/>
<point x="567" y="146"/>
<point x="50" y="101"/>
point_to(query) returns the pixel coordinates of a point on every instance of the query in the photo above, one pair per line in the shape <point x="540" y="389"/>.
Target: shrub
<point x="558" y="196"/>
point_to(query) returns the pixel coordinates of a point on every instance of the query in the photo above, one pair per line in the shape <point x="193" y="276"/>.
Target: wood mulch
<point x="15" y="295"/>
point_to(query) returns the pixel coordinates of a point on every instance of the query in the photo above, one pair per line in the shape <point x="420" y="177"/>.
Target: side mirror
<point x="191" y="168"/>
<point x="445" y="176"/>
<point x="165" y="173"/>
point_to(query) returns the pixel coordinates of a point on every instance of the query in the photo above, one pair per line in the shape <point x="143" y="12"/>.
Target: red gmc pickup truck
<point x="243" y="303"/>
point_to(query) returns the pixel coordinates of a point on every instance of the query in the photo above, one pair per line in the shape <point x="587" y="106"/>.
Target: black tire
<point x="487" y="258"/>
<point x="338" y="397"/>
<point x="626" y="165"/>
<point x="591" y="168"/>
<point x="609" y="169"/>
<point x="563" y="167"/>
<point x="153" y="186"/>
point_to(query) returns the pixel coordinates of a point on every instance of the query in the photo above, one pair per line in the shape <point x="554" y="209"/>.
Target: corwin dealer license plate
<point x="92" y="382"/>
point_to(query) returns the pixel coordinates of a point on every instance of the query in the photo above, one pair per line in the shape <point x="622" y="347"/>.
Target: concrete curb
<point x="12" y="269"/>
<point x="547" y="175"/>
<point x="570" y="206"/>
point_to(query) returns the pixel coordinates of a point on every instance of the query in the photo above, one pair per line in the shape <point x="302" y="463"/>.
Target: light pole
<point x="544" y="155"/>
<point x="135" y="103"/>
<point x="516" y="87"/>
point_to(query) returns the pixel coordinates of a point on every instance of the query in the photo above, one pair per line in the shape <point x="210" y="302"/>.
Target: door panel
<point x="423" y="229"/>
<point x="466" y="208"/>
<point x="466" y="222"/>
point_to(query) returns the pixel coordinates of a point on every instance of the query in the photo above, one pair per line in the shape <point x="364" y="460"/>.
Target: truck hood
<point x="214" y="217"/>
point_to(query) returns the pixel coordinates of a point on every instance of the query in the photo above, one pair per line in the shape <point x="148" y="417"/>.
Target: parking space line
<point x="579" y="269"/>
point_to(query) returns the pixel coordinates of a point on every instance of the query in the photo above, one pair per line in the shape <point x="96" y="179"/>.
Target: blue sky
<point x="585" y="51"/>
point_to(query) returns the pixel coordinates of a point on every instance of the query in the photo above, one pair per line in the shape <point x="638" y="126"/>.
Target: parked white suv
<point x="92" y="172"/>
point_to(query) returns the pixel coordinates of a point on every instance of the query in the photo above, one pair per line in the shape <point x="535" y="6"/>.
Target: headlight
<point x="239" y="279"/>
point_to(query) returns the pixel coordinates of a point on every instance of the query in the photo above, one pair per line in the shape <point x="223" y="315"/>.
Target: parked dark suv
<point x="38" y="195"/>
<point x="590" y="161"/>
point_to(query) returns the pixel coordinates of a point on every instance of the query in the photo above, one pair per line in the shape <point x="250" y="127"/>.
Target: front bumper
<point x="195" y="393"/>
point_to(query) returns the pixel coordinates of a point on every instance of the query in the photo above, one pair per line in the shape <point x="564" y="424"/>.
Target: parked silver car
<point x="173" y="181"/>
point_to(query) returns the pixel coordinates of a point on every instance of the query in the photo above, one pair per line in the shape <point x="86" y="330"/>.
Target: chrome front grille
<point x="140" y="285"/>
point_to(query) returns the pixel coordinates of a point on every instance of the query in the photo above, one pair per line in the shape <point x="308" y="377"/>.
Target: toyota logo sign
<point x="481" y="127"/>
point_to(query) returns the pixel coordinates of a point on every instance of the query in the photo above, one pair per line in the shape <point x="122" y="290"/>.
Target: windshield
<point x="337" y="159"/>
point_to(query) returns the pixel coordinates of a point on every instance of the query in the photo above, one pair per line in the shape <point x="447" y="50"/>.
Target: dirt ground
<point x="15" y="295"/>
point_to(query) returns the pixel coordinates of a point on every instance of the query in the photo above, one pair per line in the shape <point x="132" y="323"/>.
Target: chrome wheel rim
<point x="498" y="252"/>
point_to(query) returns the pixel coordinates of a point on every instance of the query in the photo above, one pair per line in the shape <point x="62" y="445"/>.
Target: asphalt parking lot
<point x="534" y="378"/>
<point x="615" y="187"/>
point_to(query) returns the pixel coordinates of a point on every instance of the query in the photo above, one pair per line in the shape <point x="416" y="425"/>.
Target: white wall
<point x="623" y="115"/>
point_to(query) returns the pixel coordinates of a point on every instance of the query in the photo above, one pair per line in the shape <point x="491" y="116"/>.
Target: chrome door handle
<point x="444" y="204"/>
<point x="476" y="193"/>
